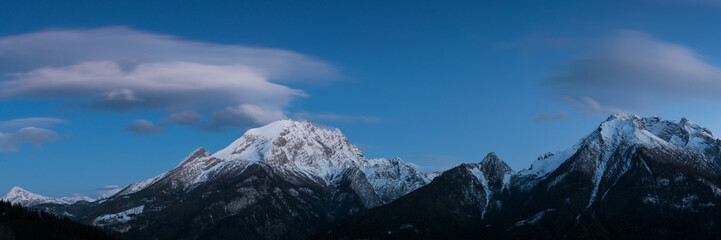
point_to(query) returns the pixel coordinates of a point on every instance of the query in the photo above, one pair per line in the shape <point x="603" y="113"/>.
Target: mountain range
<point x="284" y="180"/>
<point x="631" y="177"/>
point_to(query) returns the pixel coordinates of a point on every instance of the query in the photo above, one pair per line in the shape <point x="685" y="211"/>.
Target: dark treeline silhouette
<point x="18" y="223"/>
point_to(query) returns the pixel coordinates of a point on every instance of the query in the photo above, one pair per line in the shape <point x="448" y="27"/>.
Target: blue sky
<point x="96" y="94"/>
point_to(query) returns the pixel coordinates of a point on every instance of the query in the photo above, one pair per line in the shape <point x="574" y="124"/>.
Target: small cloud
<point x="328" y="117"/>
<point x="548" y="118"/>
<point x="583" y="104"/>
<point x="142" y="126"/>
<point x="107" y="191"/>
<point x="256" y="113"/>
<point x="185" y="118"/>
<point x="9" y="141"/>
<point x="434" y="163"/>
<point x="243" y="116"/>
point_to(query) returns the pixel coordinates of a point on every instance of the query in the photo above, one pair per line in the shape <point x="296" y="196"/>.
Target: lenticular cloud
<point x="121" y="69"/>
<point x="633" y="69"/>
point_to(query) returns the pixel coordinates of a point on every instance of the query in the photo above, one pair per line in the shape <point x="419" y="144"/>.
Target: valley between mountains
<point x="630" y="178"/>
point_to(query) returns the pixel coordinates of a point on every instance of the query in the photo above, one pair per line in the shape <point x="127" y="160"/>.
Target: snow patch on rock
<point x="121" y="217"/>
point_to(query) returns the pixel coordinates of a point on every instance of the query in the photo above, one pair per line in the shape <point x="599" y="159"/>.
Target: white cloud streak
<point x="241" y="116"/>
<point x="548" y="118"/>
<point x="142" y="126"/>
<point x="107" y="190"/>
<point x="185" y="118"/>
<point x="329" y="117"/>
<point x="434" y="163"/>
<point x="30" y="122"/>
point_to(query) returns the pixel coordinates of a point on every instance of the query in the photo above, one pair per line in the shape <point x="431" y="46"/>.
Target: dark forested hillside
<point x="19" y="223"/>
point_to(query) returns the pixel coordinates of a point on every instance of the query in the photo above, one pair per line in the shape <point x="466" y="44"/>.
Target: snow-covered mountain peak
<point x="297" y="147"/>
<point x="295" y="150"/>
<point x="630" y="131"/>
<point x="492" y="164"/>
<point x="256" y="143"/>
<point x="284" y="127"/>
<point x="382" y="162"/>
<point x="666" y="129"/>
<point x="198" y="153"/>
<point x="623" y="116"/>
<point x="490" y="157"/>
<point x="23" y="197"/>
<point x="17" y="192"/>
<point x="655" y="131"/>
<point x="393" y="178"/>
<point x="685" y="134"/>
<point x="624" y="131"/>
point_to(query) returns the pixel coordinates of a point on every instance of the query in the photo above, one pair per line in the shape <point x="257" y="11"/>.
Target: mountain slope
<point x="630" y="178"/>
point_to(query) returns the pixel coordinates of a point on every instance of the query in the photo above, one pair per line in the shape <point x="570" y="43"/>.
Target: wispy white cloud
<point x="142" y="126"/>
<point x="547" y="118"/>
<point x="434" y="163"/>
<point x="329" y="117"/>
<point x="185" y="118"/>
